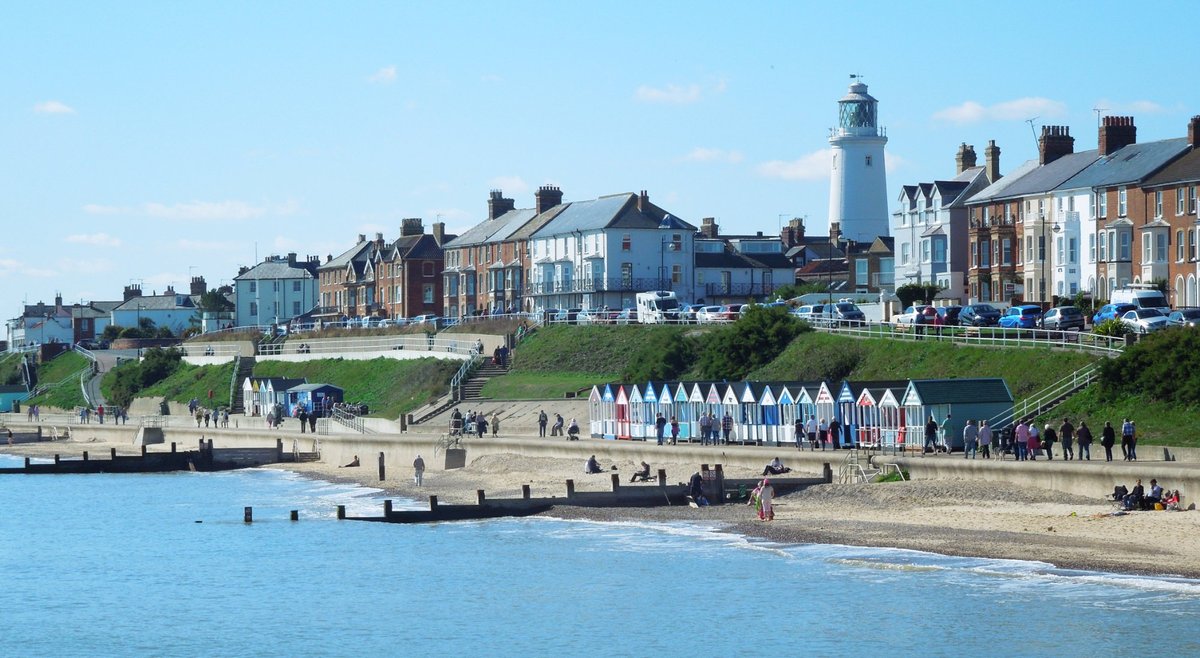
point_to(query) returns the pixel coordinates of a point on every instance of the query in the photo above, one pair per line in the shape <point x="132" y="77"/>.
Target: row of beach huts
<point x="885" y="414"/>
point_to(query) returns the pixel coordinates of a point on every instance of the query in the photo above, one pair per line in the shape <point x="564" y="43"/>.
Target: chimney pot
<point x="498" y="205"/>
<point x="1194" y="131"/>
<point x="547" y="197"/>
<point x="1115" y="134"/>
<point x="991" y="158"/>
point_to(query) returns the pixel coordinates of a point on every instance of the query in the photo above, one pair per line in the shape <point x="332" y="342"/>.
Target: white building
<point x="858" y="186"/>
<point x="175" y="311"/>
<point x="604" y="251"/>
<point x="275" y="291"/>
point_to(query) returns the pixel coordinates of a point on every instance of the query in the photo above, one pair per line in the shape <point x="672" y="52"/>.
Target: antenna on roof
<point x="1099" y="110"/>
<point x="1033" y="130"/>
<point x="856" y="76"/>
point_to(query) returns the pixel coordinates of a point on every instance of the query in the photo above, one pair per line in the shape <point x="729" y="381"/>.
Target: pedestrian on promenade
<point x="1108" y="437"/>
<point x="495" y="423"/>
<point x="660" y="427"/>
<point x="1083" y="437"/>
<point x="726" y="428"/>
<point x="1129" y="437"/>
<point x="1066" y="434"/>
<point x="542" y="423"/>
<point x="674" y="430"/>
<point x="931" y="430"/>
<point x="985" y="439"/>
<point x="970" y="439"/>
<point x="1021" y="445"/>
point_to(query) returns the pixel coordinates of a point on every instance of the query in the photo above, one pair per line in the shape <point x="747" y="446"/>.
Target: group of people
<point x="218" y="417"/>
<point x="474" y="422"/>
<point x="118" y="414"/>
<point x="33" y="413"/>
<point x="712" y="431"/>
<point x="557" y="429"/>
<point x="762" y="498"/>
<point x="817" y="434"/>
<point x="1138" y="499"/>
<point x="1026" y="440"/>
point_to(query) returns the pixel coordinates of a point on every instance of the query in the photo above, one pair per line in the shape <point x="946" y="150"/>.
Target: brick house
<point x="1169" y="199"/>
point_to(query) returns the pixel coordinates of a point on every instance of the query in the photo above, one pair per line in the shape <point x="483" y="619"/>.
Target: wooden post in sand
<point x="827" y="473"/>
<point x="279" y="449"/>
<point x="248" y="515"/>
<point x="616" y="480"/>
<point x="525" y="491"/>
<point x="387" y="508"/>
<point x="480" y="497"/>
<point x="295" y="515"/>
<point x="341" y="512"/>
<point x="172" y="447"/>
<point x="433" y="503"/>
<point x="720" y="482"/>
<point x="570" y="488"/>
<point x="27" y="463"/>
<point x="662" y="477"/>
<point x="382" y="473"/>
<point x="85" y="455"/>
<point x="56" y="460"/>
<point x="112" y="454"/>
<point x="143" y="451"/>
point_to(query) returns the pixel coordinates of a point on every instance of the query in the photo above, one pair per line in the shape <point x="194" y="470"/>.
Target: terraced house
<point x="1170" y="199"/>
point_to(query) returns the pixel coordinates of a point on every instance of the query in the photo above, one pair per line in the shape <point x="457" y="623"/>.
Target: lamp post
<point x="1045" y="256"/>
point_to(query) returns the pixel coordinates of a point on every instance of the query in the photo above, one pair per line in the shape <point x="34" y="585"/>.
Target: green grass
<point x="389" y="387"/>
<point x="824" y="356"/>
<point x="601" y="350"/>
<point x="541" y="385"/>
<point x="195" y="382"/>
<point x="61" y="374"/>
<point x="10" y="373"/>
<point x="1158" y="423"/>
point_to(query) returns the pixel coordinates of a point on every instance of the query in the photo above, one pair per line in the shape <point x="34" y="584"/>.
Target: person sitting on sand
<point x="1133" y="500"/>
<point x="642" y="475"/>
<point x="696" y="489"/>
<point x="573" y="430"/>
<point x="1170" y="501"/>
<point x="1156" y="494"/>
<point x="353" y="463"/>
<point x="776" y="467"/>
<point x="592" y="466"/>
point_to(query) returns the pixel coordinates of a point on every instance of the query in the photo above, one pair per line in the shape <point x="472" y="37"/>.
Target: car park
<point x="1063" y="318"/>
<point x="979" y="315"/>
<point x="1144" y="320"/>
<point x="1110" y="311"/>
<point x="1025" y="316"/>
<point x="1184" y="317"/>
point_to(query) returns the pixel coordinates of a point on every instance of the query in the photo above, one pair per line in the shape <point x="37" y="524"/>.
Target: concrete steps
<point x="245" y="369"/>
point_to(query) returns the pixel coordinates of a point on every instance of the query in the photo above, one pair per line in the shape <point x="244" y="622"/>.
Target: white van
<point x="1141" y="295"/>
<point x="657" y="307"/>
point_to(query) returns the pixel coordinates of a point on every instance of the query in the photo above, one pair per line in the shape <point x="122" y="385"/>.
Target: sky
<point x="151" y="142"/>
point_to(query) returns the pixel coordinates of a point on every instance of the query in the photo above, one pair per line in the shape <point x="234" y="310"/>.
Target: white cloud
<point x="384" y="76"/>
<point x="672" y="93"/>
<point x="893" y="162"/>
<point x="53" y="107"/>
<point x="814" y="166"/>
<point x="84" y="266"/>
<point x="197" y="210"/>
<point x="1018" y="109"/>
<point x="702" y="154"/>
<point x="96" y="239"/>
<point x="208" y="245"/>
<point x="511" y="185"/>
<point x="1109" y="107"/>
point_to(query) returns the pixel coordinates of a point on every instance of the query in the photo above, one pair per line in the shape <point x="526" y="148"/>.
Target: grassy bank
<point x="389" y="387"/>
<point x="195" y="382"/>
<point x="61" y="374"/>
<point x="540" y="385"/>
<point x="1158" y="423"/>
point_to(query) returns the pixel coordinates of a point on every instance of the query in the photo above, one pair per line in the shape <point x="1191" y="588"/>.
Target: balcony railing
<point x="740" y="289"/>
<point x="883" y="279"/>
<point x="598" y="285"/>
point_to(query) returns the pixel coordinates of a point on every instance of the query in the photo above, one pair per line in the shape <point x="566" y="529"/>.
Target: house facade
<point x="738" y="268"/>
<point x="1170" y="199"/>
<point x="275" y="291"/>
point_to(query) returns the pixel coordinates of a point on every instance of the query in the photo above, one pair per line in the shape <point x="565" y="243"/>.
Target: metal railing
<point x="233" y="382"/>
<point x="620" y="284"/>
<point x="348" y="420"/>
<point x="416" y="342"/>
<point x="1047" y="398"/>
<point x="84" y="374"/>
<point x="220" y="349"/>
<point x="464" y="373"/>
<point x="741" y="289"/>
<point x="983" y="336"/>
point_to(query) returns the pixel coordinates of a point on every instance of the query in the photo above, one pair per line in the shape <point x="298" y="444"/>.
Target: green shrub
<point x="751" y="342"/>
<point x="1111" y="327"/>
<point x="662" y="356"/>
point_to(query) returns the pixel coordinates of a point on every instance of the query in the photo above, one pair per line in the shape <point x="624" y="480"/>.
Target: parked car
<point x="1110" y="311"/>
<point x="427" y="318"/>
<point x="1063" y="318"/>
<point x="1025" y="316"/>
<point x="1144" y="320"/>
<point x="1184" y="317"/>
<point x="979" y="315"/>
<point x="550" y="315"/>
<point x="909" y="316"/>
<point x="813" y="314"/>
<point x="688" y="313"/>
<point x="951" y="315"/>
<point x="733" y="312"/>
<point x="709" y="314"/>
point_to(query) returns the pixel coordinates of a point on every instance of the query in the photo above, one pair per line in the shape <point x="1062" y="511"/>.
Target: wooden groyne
<point x="717" y="489"/>
<point x="205" y="458"/>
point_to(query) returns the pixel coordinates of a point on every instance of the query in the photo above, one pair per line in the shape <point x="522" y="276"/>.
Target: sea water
<point x="99" y="565"/>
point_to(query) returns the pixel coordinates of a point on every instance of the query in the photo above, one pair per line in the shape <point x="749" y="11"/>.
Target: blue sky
<point x="149" y="142"/>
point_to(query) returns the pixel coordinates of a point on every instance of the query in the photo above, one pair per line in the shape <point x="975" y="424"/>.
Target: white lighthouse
<point x="858" y="187"/>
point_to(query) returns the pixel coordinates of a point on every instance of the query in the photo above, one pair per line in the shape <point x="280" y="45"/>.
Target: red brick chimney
<point x="548" y="196"/>
<point x="643" y="202"/>
<point x="1194" y="131"/>
<point x="1116" y="133"/>
<point x="1055" y="142"/>
<point x="709" y="228"/>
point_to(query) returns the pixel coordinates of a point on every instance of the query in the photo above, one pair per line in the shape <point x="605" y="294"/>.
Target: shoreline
<point x="963" y="518"/>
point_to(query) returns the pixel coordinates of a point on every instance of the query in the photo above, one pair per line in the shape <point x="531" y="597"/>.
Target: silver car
<point x="1144" y="320"/>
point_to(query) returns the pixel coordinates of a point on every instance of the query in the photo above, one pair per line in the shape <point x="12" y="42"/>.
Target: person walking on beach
<point x="944" y="434"/>
<point x="495" y="423"/>
<point x="766" y="498"/>
<point x="985" y="439"/>
<point x="660" y="427"/>
<point x="1108" y="437"/>
<point x="970" y="439"/>
<point x="835" y="434"/>
<point x="811" y="429"/>
<point x="1066" y="434"/>
<point x="418" y="470"/>
<point x="798" y="432"/>
<point x="1049" y="437"/>
<point x="931" y="430"/>
<point x="1083" y="436"/>
<point x="542" y="423"/>
<point x="705" y="428"/>
<point x="726" y="428"/>
<point x="1035" y="441"/>
<point x="674" y="430"/>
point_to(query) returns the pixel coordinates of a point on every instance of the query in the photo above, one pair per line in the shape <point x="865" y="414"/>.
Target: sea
<point x="164" y="565"/>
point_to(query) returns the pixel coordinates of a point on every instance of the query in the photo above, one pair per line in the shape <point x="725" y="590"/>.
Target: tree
<point x="214" y="301"/>
<point x="753" y="341"/>
<point x="664" y="355"/>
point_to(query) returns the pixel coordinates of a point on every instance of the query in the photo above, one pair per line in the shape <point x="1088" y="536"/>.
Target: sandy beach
<point x="952" y="517"/>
